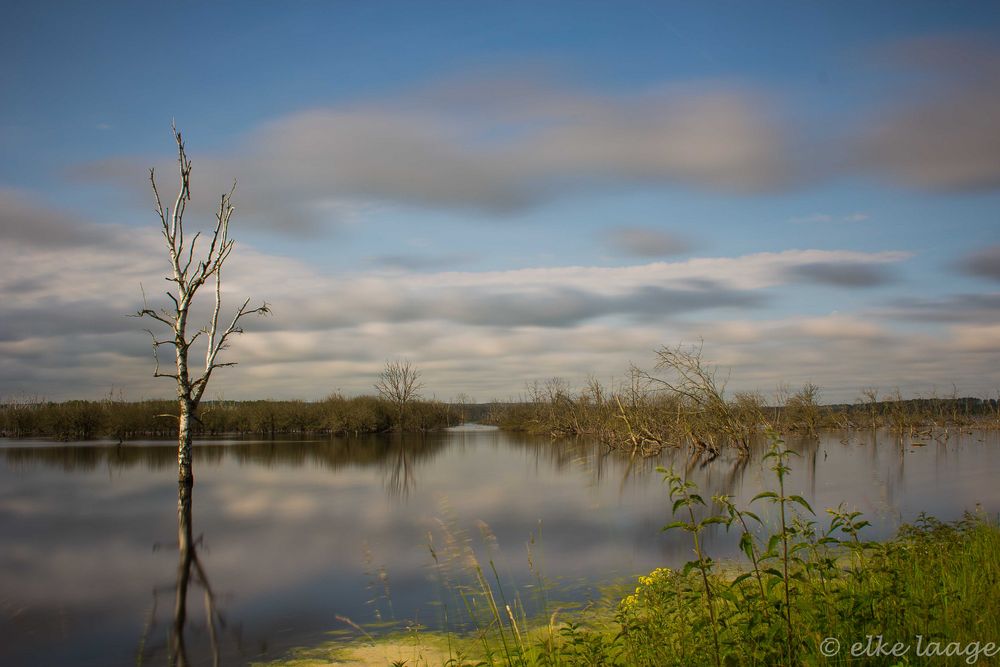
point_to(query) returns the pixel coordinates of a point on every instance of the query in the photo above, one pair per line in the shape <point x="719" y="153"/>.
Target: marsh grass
<point x="683" y="402"/>
<point x="801" y="584"/>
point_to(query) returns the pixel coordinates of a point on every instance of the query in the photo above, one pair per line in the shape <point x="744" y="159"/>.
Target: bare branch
<point x="159" y="204"/>
<point x="146" y="312"/>
<point x="399" y="382"/>
<point x="189" y="272"/>
<point x="187" y="264"/>
<point x="234" y="328"/>
<point x="156" y="356"/>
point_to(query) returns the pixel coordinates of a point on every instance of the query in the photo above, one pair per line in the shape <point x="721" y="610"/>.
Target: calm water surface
<point x="293" y="534"/>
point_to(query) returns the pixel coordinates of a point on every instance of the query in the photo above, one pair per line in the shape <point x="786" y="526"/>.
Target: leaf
<point x="801" y="501"/>
<point x="675" y="524"/>
<point x="765" y="494"/>
<point x="726" y="594"/>
<point x="741" y="578"/>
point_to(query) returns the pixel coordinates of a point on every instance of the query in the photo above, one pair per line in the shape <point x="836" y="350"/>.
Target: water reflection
<point x="187" y="561"/>
<point x="190" y="577"/>
<point x="154" y="455"/>
<point x="293" y="534"/>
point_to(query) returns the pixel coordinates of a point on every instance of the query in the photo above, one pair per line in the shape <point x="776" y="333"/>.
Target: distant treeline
<point x="679" y="403"/>
<point x="124" y="420"/>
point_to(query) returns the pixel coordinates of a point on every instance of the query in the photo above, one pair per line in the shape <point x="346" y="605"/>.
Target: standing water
<point x="293" y="537"/>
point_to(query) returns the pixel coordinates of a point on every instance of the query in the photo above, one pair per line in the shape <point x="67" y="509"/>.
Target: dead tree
<point x="189" y="274"/>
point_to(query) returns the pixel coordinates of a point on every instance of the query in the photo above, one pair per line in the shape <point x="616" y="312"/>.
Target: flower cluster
<point x="630" y="602"/>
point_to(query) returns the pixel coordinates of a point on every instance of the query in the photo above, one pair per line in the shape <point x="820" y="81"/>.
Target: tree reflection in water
<point x="189" y="570"/>
<point x="399" y="478"/>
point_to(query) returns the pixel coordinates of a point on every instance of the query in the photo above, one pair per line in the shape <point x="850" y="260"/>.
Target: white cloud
<point x="976" y="337"/>
<point x="485" y="333"/>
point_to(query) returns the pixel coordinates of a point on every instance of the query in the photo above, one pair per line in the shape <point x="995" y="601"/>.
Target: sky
<point x="506" y="192"/>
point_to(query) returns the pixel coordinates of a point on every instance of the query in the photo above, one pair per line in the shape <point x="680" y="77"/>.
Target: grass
<point x="801" y="581"/>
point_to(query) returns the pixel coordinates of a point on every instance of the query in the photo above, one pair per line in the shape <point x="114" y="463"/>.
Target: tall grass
<point x="802" y="584"/>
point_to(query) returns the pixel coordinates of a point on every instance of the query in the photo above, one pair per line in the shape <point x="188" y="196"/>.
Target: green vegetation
<point x="933" y="586"/>
<point x="122" y="420"/>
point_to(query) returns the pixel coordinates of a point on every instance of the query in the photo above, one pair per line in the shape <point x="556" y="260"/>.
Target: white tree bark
<point x="188" y="274"/>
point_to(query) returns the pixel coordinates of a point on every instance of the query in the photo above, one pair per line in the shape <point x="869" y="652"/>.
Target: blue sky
<point x="506" y="191"/>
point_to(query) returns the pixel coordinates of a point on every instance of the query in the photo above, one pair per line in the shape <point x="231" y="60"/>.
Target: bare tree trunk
<point x="185" y="473"/>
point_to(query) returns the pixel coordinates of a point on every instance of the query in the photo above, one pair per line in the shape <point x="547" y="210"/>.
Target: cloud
<point x="65" y="333"/>
<point x="977" y="337"/>
<point x="23" y="220"/>
<point x="499" y="145"/>
<point x="842" y="274"/>
<point x="944" y="136"/>
<point x="983" y="263"/>
<point x="966" y="308"/>
<point x="842" y="353"/>
<point x="82" y="317"/>
<point x="475" y="146"/>
<point x="646" y="242"/>
<point x="556" y="297"/>
<point x="566" y="306"/>
<point x="414" y="262"/>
